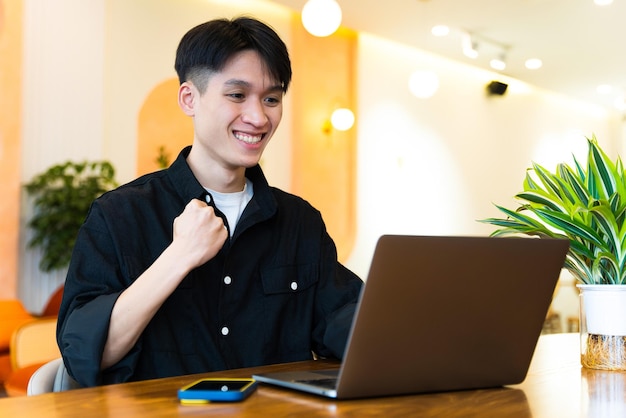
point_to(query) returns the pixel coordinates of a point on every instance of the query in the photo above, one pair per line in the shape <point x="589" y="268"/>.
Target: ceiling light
<point x="440" y="30"/>
<point x="533" y="63"/>
<point x="498" y="63"/>
<point x="603" y="2"/>
<point x="321" y="17"/>
<point x="423" y="84"/>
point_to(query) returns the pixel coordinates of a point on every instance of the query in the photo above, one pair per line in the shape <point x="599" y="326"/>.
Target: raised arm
<point x="198" y="236"/>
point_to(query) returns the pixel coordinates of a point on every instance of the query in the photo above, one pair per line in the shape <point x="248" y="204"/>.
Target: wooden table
<point x="556" y="386"/>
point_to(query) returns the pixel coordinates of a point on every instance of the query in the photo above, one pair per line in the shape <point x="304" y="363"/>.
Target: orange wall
<point x="10" y="109"/>
<point x="324" y="163"/>
<point x="161" y="124"/>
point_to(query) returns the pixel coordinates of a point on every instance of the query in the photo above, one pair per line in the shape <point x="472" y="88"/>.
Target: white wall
<point x="63" y="82"/>
<point x="436" y="166"/>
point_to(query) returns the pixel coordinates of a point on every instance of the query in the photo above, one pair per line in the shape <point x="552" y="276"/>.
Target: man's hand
<point x="199" y="233"/>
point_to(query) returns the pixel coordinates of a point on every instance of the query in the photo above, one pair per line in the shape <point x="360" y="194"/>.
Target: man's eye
<point x="272" y="100"/>
<point x="238" y="96"/>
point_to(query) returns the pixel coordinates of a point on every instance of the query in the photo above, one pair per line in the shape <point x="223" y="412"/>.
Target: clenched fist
<point x="199" y="233"/>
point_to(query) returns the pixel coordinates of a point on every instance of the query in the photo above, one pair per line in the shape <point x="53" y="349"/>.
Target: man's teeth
<point x="250" y="139"/>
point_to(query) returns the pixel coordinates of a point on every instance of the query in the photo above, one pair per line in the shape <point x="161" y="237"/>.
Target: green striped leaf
<point x="543" y="199"/>
<point x="603" y="170"/>
<point x="575" y="183"/>
<point x="547" y="179"/>
<point x="568" y="226"/>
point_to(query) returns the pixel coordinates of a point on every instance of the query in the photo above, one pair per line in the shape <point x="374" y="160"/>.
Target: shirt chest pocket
<point x="289" y="279"/>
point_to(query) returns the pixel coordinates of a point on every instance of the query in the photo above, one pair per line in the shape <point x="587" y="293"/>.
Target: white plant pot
<point x="603" y="326"/>
<point x="604" y="308"/>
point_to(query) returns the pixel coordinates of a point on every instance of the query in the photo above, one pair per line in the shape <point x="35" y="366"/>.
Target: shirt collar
<point x="188" y="187"/>
<point x="181" y="176"/>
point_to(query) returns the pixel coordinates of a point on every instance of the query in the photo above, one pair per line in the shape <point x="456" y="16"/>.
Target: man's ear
<point x="187" y="94"/>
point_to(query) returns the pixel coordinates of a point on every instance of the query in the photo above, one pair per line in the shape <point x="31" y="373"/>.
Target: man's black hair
<point x="207" y="48"/>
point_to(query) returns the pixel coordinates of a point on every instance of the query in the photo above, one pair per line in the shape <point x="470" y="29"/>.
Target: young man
<point x="204" y="266"/>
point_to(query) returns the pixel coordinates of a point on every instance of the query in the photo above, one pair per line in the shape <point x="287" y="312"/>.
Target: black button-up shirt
<point x="274" y="293"/>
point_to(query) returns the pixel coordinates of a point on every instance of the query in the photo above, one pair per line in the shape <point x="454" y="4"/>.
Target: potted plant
<point x="62" y="197"/>
<point x="585" y="204"/>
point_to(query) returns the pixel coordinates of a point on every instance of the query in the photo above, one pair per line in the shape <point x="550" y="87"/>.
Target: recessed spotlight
<point x="602" y="2"/>
<point x="533" y="63"/>
<point x="440" y="30"/>
<point x="498" y="64"/>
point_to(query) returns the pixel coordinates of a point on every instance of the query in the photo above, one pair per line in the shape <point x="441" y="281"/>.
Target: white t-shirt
<point x="233" y="204"/>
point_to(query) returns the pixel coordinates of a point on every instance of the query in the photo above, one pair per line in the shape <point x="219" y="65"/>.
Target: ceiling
<point x="580" y="44"/>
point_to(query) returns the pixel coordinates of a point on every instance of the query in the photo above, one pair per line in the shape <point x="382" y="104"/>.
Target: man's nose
<point x="254" y="114"/>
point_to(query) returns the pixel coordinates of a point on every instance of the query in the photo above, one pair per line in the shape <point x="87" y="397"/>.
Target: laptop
<point x="440" y="313"/>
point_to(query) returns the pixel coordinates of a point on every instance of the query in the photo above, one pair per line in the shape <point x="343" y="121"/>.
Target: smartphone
<point x="217" y="390"/>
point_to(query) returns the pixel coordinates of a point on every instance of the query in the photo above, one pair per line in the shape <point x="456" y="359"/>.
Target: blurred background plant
<point x="163" y="158"/>
<point x="61" y="197"/>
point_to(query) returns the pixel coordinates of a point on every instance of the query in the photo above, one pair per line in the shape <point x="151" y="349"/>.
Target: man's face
<point x="238" y="113"/>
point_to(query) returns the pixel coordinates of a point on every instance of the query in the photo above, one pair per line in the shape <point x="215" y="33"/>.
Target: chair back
<point x="63" y="381"/>
<point x="42" y="381"/>
<point x="51" y="377"/>
<point x="34" y="342"/>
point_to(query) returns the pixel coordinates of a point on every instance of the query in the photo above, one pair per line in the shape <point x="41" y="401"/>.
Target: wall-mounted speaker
<point x="496" y="88"/>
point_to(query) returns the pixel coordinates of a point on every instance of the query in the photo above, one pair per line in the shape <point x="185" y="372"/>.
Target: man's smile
<point x="247" y="138"/>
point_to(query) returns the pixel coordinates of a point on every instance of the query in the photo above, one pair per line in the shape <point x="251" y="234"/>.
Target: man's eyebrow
<point x="237" y="82"/>
<point x="242" y="83"/>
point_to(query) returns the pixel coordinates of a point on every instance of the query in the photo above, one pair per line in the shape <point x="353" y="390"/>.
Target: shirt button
<point x="208" y="198"/>
<point x="225" y="331"/>
<point x="228" y="280"/>
<point x="294" y="286"/>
